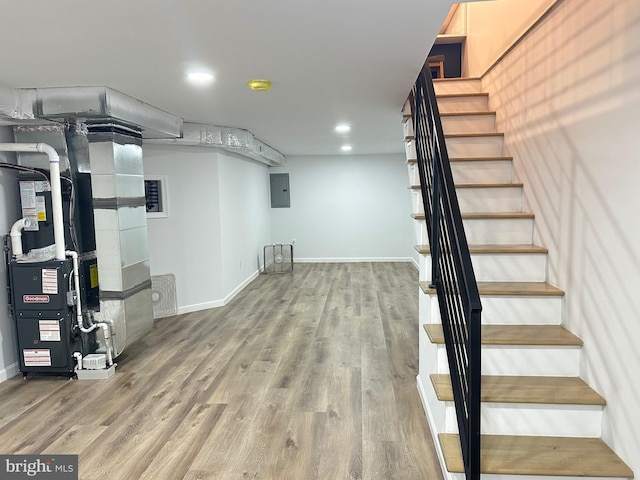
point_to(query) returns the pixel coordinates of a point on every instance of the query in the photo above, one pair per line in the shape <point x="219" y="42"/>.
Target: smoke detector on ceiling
<point x="259" y="85"/>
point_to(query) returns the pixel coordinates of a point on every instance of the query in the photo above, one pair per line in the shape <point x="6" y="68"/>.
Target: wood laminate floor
<point x="309" y="375"/>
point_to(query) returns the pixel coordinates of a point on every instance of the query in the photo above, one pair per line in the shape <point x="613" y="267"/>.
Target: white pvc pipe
<point x="16" y="236"/>
<point x="102" y="325"/>
<point x="56" y="191"/>
<point x="78" y="357"/>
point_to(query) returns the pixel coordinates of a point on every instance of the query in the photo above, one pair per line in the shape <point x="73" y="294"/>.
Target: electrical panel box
<point x="279" y="183"/>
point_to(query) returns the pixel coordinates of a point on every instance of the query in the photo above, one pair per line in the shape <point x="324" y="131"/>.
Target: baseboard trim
<point x="241" y="287"/>
<point x="434" y="435"/>
<point x="196" y="307"/>
<point x="9" y="371"/>
<point x="354" y="260"/>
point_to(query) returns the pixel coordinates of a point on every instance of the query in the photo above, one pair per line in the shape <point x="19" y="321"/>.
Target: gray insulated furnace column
<point x="117" y="182"/>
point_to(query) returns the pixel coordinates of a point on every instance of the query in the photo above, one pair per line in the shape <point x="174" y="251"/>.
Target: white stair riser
<point x="500" y="231"/>
<point x="558" y="361"/>
<point x="486" y="171"/>
<point x="490" y="199"/>
<point x="416" y="201"/>
<point x="501" y="310"/>
<point x="407" y="128"/>
<point x="502" y="267"/>
<point x="469" y="123"/>
<point x="480" y="199"/>
<point x="457" y="86"/>
<point x="410" y="149"/>
<point x="479" y="103"/>
<point x="481" y="231"/>
<point x="472" y="171"/>
<point x="480" y="146"/>
<point x="534" y="419"/>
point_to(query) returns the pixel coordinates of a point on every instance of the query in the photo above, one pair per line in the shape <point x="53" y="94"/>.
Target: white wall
<point x="347" y="207"/>
<point x="244" y="218"/>
<point x="218" y="214"/>
<point x="9" y="213"/>
<point x="568" y="100"/>
<point x="493" y="25"/>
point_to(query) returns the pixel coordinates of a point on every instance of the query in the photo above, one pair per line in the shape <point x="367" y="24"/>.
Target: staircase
<point x="539" y="419"/>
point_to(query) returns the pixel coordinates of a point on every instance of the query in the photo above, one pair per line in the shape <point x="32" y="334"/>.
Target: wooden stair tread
<point x="493" y="248"/>
<point x="525" y="389"/>
<point x="467" y="135"/>
<point x="515" y="335"/>
<point x="479" y="185"/>
<point x="461" y="95"/>
<point x="469" y="113"/>
<point x="538" y="455"/>
<point x="479" y="159"/>
<point x="485" y="216"/>
<point x="470" y="159"/>
<point x="530" y="289"/>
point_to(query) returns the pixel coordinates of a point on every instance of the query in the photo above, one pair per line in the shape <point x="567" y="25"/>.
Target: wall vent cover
<point x="278" y="258"/>
<point x="163" y="295"/>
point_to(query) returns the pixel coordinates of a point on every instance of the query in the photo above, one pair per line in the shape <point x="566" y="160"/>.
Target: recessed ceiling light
<point x="200" y="77"/>
<point x="345" y="148"/>
<point x="343" y="128"/>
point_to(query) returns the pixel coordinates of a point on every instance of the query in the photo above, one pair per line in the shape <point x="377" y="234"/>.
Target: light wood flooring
<point x="309" y="375"/>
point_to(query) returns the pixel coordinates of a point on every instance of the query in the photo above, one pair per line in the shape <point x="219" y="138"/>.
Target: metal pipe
<point x="54" y="180"/>
<point x="16" y="236"/>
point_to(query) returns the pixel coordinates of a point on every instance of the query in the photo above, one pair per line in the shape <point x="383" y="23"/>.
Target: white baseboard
<point x="354" y="260"/>
<point x="434" y="435"/>
<point x="415" y="264"/>
<point x="9" y="371"/>
<point x="241" y="287"/>
<point x="196" y="307"/>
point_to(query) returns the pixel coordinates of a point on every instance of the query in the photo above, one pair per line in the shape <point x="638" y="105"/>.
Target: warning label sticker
<point x="49" y="330"/>
<point x="50" y="281"/>
<point x="29" y="204"/>
<point x="93" y="275"/>
<point x="41" y="209"/>
<point x="42" y="186"/>
<point x="37" y="358"/>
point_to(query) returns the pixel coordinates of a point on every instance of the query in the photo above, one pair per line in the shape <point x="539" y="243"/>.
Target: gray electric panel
<point x="280" y="190"/>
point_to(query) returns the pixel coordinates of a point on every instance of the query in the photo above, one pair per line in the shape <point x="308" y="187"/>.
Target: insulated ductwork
<point x="98" y="132"/>
<point x="16" y="106"/>
<point x="91" y="105"/>
<point x="96" y="104"/>
<point x="237" y="140"/>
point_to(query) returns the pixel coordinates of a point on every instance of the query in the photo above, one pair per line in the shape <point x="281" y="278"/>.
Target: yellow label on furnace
<point x="93" y="275"/>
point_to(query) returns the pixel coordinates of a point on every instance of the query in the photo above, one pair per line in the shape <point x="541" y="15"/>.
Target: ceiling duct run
<point x="96" y="104"/>
<point x="237" y="140"/>
<point x="92" y="105"/>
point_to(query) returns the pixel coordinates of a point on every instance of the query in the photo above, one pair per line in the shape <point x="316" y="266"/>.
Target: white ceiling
<point x="330" y="61"/>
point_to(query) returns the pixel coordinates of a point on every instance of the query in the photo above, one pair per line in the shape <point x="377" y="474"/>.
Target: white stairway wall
<point x="568" y="102"/>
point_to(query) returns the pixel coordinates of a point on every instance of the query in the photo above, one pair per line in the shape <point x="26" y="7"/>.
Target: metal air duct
<point x="237" y="140"/>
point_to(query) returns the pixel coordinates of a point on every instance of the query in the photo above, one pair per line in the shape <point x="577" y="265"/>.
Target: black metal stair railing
<point x="452" y="274"/>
